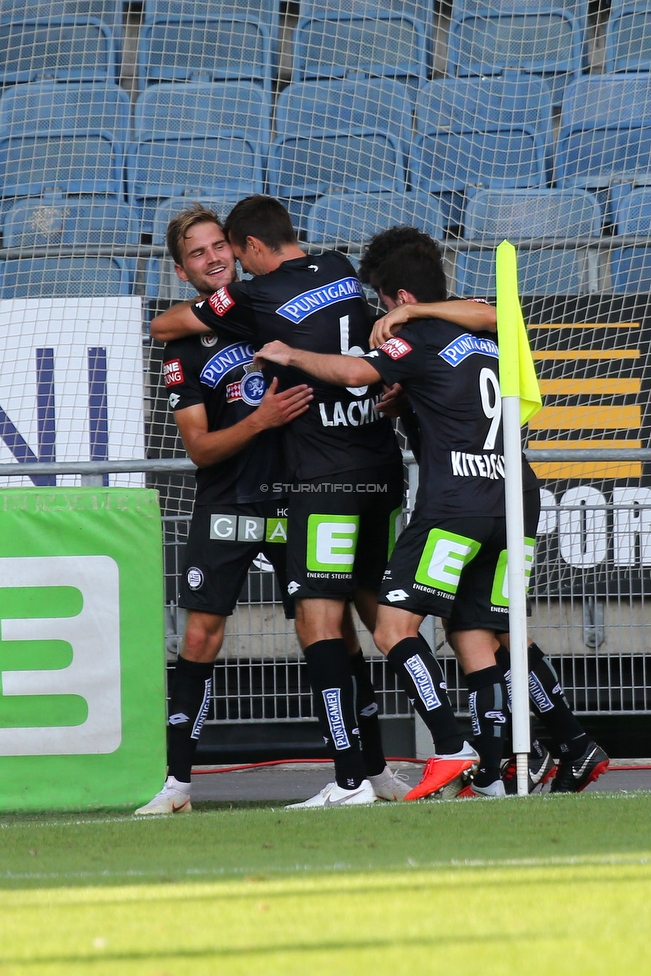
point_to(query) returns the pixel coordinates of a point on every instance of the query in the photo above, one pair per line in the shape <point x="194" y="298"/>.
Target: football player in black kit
<point x="581" y="759"/>
<point x="347" y="474"/>
<point x="450" y="561"/>
<point x="229" y="424"/>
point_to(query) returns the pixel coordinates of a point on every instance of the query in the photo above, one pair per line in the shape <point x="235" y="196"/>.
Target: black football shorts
<point x="222" y="543"/>
<point x="341" y="531"/>
<point x="456" y="569"/>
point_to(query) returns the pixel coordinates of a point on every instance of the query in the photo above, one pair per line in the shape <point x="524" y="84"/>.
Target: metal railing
<point x="588" y="600"/>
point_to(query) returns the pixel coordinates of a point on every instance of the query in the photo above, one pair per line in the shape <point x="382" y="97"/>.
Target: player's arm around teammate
<point x="206" y="447"/>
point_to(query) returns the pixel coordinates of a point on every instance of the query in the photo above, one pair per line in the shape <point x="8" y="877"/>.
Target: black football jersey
<point x="451" y="379"/>
<point x="220" y="374"/>
<point x="316" y="303"/>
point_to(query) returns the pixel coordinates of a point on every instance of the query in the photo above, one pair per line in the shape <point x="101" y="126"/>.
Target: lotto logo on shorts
<point x="221" y="301"/>
<point x="395" y="348"/>
<point x="500" y="590"/>
<point x="331" y="543"/>
<point x="332" y="700"/>
<point x="172" y="372"/>
<point x="443" y="558"/>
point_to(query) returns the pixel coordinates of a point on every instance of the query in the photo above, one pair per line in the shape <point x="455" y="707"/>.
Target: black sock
<point x="189" y="702"/>
<point x="421" y="678"/>
<point x="488" y="701"/>
<point x="332" y="685"/>
<point x="367" y="715"/>
<point x="550" y="703"/>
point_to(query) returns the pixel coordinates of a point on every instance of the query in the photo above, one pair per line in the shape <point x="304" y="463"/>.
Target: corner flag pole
<point x="520" y="401"/>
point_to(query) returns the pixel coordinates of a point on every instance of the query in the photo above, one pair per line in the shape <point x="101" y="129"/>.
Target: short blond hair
<point x="178" y="227"/>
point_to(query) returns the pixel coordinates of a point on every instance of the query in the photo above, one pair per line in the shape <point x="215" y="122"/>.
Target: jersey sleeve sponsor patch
<point x="173" y="372"/>
<point x="468" y="345"/>
<point x="221" y="301"/>
<point x="395" y="348"/>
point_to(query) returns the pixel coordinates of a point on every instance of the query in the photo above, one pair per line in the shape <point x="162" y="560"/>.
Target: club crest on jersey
<point x="252" y="386"/>
<point x="225" y="360"/>
<point x="221" y="301"/>
<point x="467" y="345"/>
<point x="301" y="306"/>
<point x="172" y="372"/>
<point x="395" y="348"/>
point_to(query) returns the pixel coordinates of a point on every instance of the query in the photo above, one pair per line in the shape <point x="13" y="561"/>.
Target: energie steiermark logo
<point x="59" y="656"/>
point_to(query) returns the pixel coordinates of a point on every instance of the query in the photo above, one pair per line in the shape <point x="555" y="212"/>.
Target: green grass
<point x="554" y="885"/>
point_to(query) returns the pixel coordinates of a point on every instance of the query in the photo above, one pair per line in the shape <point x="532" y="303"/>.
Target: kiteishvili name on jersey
<point x="354" y="413"/>
<point x="477" y="465"/>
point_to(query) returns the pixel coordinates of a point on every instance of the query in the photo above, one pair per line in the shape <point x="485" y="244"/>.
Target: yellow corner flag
<point x="517" y="370"/>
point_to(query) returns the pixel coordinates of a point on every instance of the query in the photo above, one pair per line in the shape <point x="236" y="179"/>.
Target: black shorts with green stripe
<point x="456" y="568"/>
<point x="341" y="531"/>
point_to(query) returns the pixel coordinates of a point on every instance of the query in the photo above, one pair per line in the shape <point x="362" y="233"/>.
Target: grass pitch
<point x="552" y="885"/>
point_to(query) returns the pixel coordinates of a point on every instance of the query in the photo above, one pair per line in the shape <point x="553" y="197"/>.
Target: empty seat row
<point x="61" y="277"/>
<point x="239" y="42"/>
<point x="542" y="272"/>
<point x="299" y="169"/>
<point x="564" y="221"/>
<point x="337" y="218"/>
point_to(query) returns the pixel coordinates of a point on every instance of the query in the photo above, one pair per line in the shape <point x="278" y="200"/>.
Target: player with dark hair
<point x="229" y="424"/>
<point x="384" y="265"/>
<point x="346" y="466"/>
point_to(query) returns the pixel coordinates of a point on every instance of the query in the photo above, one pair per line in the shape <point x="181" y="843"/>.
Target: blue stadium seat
<point x="232" y="48"/>
<point x="169" y="208"/>
<point x="512" y="100"/>
<point x="511" y="158"/>
<point x="631" y="266"/>
<point x="494" y="215"/>
<point x="57" y="48"/>
<point x="54" y="220"/>
<point x="531" y="213"/>
<point x="548" y="271"/>
<point x="265" y="12"/>
<point x="162" y="282"/>
<point x="360" y="159"/>
<point x="355" y="217"/>
<point x="605" y="131"/>
<point x="628" y="37"/>
<point x="549" y="43"/>
<point x="67" y="161"/>
<point x="64" y="277"/>
<point x="302" y="168"/>
<point x="578" y="7"/>
<point x="215" y="165"/>
<point x="202" y="108"/>
<point x="340" y="104"/>
<point x="108" y="11"/>
<point x="338" y="45"/>
<point x="420" y="11"/>
<point x="80" y="106"/>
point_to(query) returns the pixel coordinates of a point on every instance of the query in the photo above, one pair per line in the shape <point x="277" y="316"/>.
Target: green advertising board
<point x="82" y="702"/>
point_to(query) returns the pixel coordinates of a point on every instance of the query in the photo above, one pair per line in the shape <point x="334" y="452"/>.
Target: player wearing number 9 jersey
<point x="450" y="560"/>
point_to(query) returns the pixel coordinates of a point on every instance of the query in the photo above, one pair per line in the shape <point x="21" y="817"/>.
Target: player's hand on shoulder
<point x="393" y="402"/>
<point x="388" y="325"/>
<point x="274" y="352"/>
<point x="277" y="409"/>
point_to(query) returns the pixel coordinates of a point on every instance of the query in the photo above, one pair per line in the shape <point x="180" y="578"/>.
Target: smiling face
<point x="208" y="262"/>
